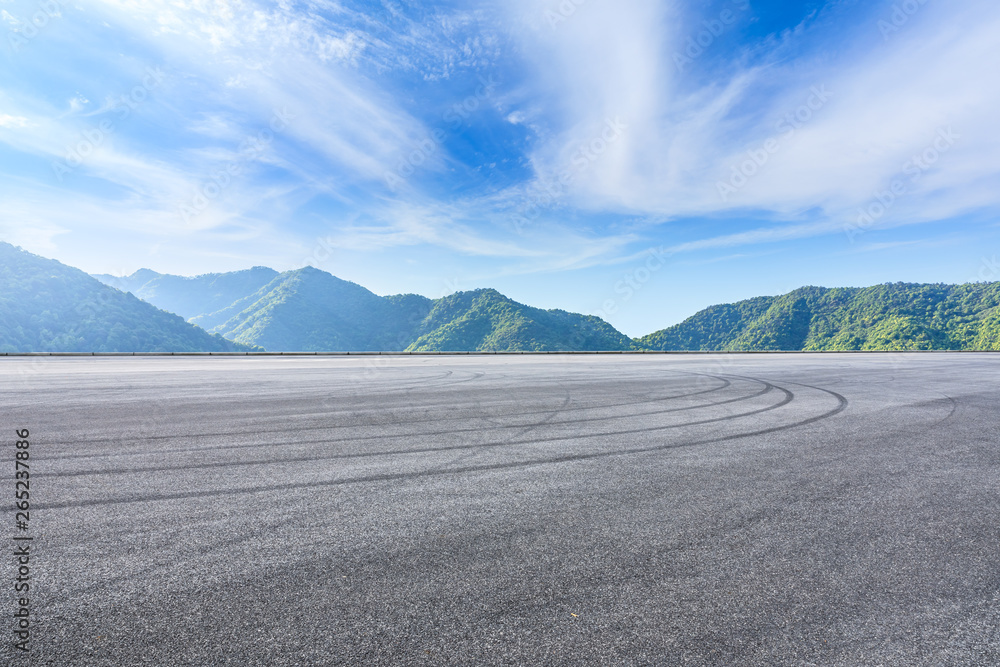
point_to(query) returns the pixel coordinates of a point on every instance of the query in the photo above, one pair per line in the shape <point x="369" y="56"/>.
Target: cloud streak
<point x="368" y="85"/>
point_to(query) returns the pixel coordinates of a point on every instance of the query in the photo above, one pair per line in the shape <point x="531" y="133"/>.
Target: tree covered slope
<point x="46" y="306"/>
<point x="311" y="310"/>
<point x="191" y="297"/>
<point x="485" y="320"/>
<point x="898" y="316"/>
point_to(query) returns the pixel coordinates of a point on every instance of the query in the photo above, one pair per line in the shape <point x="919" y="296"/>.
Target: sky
<point x="635" y="160"/>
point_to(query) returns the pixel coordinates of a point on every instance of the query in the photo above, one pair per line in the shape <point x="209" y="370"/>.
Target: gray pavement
<point x="535" y="510"/>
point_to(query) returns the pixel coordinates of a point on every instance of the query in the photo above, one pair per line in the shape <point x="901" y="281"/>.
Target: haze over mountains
<point x="310" y="310"/>
<point x="189" y="297"/>
<point x="46" y="306"/>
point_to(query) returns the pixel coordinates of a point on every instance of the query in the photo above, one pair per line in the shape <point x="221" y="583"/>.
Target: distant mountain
<point x="487" y="320"/>
<point x="46" y="306"/>
<point x="897" y="316"/>
<point x="311" y="310"/>
<point x="191" y="297"/>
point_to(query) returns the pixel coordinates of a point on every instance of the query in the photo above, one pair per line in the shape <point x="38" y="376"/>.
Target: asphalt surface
<point x="535" y="510"/>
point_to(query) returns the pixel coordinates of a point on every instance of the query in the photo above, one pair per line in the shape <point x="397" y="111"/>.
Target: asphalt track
<point x="536" y="510"/>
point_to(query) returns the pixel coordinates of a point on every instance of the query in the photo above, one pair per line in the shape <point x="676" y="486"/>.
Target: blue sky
<point x="637" y="160"/>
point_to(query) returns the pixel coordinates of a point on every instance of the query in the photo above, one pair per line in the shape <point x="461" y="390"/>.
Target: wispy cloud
<point x="881" y="105"/>
<point x="9" y="121"/>
<point x="803" y="127"/>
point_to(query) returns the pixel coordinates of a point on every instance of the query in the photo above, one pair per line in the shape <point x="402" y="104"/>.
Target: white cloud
<point x="333" y="48"/>
<point x="78" y="103"/>
<point x="269" y="57"/>
<point x="888" y="102"/>
<point x="407" y="223"/>
<point x="234" y="62"/>
<point x="7" y="120"/>
<point x="603" y="62"/>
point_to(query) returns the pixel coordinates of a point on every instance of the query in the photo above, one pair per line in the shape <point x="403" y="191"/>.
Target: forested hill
<point x="46" y="306"/>
<point x="309" y="310"/>
<point x="487" y="320"/>
<point x="897" y="316"/>
<point x="191" y="297"/>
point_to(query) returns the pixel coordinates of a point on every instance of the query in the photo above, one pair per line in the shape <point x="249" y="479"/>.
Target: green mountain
<point x="311" y="310"/>
<point x="898" y="316"/>
<point x="191" y="297"/>
<point x="487" y="320"/>
<point x="46" y="306"/>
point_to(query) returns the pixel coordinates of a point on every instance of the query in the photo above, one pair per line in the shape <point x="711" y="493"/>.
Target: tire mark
<point x="524" y="431"/>
<point x="387" y="436"/>
<point x="726" y="384"/>
<point x="842" y="404"/>
<point x="951" y="413"/>
<point x="106" y="582"/>
<point x="789" y="397"/>
<point x="921" y="429"/>
<point x="326" y="427"/>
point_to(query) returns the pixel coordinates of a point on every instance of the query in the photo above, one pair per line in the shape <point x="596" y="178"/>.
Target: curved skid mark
<point x="951" y="413"/>
<point x="842" y="404"/>
<point x="525" y="430"/>
<point x="789" y="397"/>
<point x="767" y="388"/>
<point x="430" y="420"/>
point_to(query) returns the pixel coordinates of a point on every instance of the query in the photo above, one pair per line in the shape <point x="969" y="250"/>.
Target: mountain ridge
<point x="193" y="296"/>
<point x="47" y="306"/>
<point x="888" y="317"/>
<point x="311" y="310"/>
<point x="478" y="320"/>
